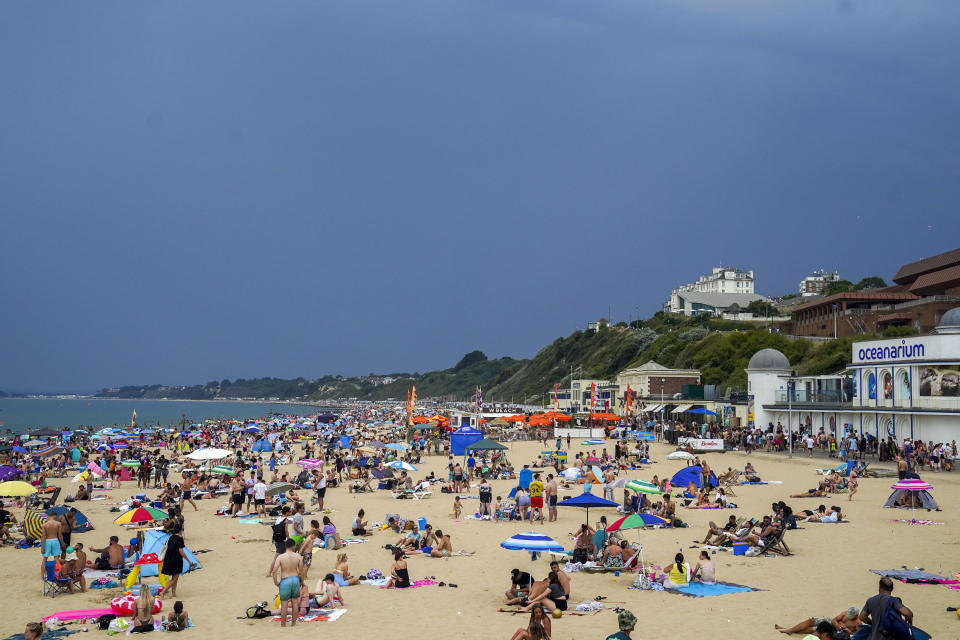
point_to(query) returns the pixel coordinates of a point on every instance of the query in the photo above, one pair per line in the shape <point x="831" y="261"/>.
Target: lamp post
<point x="791" y="384"/>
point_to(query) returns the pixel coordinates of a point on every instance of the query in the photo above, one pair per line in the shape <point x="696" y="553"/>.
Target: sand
<point x="828" y="572"/>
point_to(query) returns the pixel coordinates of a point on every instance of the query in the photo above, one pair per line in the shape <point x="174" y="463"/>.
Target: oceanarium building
<point x="901" y="387"/>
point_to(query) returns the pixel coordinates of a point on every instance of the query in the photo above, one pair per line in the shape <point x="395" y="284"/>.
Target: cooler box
<point x="740" y="548"/>
<point x="142" y="497"/>
<point x="422" y="523"/>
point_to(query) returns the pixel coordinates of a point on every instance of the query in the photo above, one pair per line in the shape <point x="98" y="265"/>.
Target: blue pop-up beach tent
<point x="692" y="474"/>
<point x="462" y="438"/>
<point x="154" y="542"/>
<point x="262" y="445"/>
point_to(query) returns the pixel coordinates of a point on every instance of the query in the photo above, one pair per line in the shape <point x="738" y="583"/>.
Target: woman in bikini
<point x="341" y="572"/>
<point x="142" y="619"/>
<point x="538" y="627"/>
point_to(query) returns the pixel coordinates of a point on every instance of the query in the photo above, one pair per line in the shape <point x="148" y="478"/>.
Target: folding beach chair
<point x="420" y="494"/>
<point x="52" y="585"/>
<point x="779" y="545"/>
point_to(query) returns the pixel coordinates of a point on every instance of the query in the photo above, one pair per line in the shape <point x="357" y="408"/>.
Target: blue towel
<point x="700" y="590"/>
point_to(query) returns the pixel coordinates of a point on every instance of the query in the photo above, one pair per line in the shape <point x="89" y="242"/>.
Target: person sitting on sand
<point x="411" y="539"/>
<point x="360" y="485"/>
<point x="111" y="556"/>
<point x="82" y="493"/>
<point x="768" y="531"/>
<point x="551" y="598"/>
<point x="178" y="620"/>
<point x="328" y="593"/>
<point x="359" y="525"/>
<point x="142" y="618"/>
<point x="520" y="582"/>
<point x="399" y="576"/>
<point x="847" y="620"/>
<point x="538" y="627"/>
<point x="705" y="572"/>
<point x="341" y="572"/>
<point x="676" y="574"/>
<point x="720" y="534"/>
<point x="443" y="549"/>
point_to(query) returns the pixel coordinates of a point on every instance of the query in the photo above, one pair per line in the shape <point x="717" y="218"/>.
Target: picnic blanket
<point x="318" y="615"/>
<point x="700" y="590"/>
<point x="914" y="576"/>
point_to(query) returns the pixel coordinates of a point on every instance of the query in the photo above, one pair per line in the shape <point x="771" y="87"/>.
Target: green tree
<point x="839" y="286"/>
<point x="870" y="282"/>
<point x="761" y="309"/>
<point x="471" y="358"/>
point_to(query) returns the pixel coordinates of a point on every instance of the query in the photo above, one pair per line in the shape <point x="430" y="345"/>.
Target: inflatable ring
<point x="123" y="605"/>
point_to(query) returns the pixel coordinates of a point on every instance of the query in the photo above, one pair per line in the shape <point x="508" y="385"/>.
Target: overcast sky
<point x="193" y="191"/>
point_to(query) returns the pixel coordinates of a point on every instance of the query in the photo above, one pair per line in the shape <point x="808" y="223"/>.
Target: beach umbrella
<point x="637" y="521"/>
<point x="591" y="443"/>
<point x="34" y="443"/>
<point x="52" y="450"/>
<point x="311" y="464"/>
<point x="33" y="523"/>
<point x="400" y="464"/>
<point x="680" y="455"/>
<point x="16" y="489"/>
<point x="397" y="446"/>
<point x="19" y="450"/>
<point x="224" y="470"/>
<point x="208" y="454"/>
<point x="130" y="463"/>
<point x="140" y="515"/>
<point x="643" y="487"/>
<point x="279" y="487"/>
<point x="9" y="473"/>
<point x="104" y="447"/>
<point x="80" y="476"/>
<point x="587" y="500"/>
<point x="907" y="484"/>
<point x="533" y="542"/>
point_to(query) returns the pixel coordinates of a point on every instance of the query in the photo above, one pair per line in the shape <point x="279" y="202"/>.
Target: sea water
<point x="23" y="414"/>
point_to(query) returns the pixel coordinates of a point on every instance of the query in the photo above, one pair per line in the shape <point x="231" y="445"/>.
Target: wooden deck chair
<point x="779" y="545"/>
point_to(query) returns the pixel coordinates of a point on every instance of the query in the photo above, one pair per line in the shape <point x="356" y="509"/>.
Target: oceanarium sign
<point x="913" y="349"/>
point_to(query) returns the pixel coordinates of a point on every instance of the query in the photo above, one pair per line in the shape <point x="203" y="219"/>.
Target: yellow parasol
<point x="16" y="488"/>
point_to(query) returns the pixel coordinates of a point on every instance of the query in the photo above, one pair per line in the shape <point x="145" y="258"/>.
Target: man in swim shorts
<point x="328" y="592"/>
<point x="52" y="540"/>
<point x="550" y="491"/>
<point x="286" y="575"/>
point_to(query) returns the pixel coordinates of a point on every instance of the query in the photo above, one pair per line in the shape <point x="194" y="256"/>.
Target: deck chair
<point x="779" y="545"/>
<point x="631" y="564"/>
<point x="420" y="494"/>
<point x="52" y="585"/>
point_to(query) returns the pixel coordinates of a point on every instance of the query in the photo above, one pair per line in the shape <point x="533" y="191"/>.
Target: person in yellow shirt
<point x="536" y="498"/>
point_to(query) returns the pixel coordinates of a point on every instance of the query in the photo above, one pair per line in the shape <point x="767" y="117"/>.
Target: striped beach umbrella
<point x="912" y="484"/>
<point x="130" y="463"/>
<point x="533" y="542"/>
<point x="33" y="523"/>
<point x="140" y="515"/>
<point x="401" y="465"/>
<point x="311" y="464"/>
<point x="224" y="470"/>
<point x="643" y="487"/>
<point x="637" y="521"/>
<point x="48" y="451"/>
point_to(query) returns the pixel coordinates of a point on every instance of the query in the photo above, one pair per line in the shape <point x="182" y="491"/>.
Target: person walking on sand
<point x="286" y="576"/>
<point x="173" y="560"/>
<point x="187" y="495"/>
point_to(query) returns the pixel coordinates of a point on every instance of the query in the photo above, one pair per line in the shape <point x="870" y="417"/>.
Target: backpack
<point x="280" y="531"/>
<point x="892" y="624"/>
<point x="257" y="611"/>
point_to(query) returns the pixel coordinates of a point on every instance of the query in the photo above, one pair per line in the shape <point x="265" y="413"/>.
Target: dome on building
<point x="769" y="359"/>
<point x="950" y="322"/>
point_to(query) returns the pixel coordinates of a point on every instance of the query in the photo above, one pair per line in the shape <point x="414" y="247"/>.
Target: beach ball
<point x="557" y="613"/>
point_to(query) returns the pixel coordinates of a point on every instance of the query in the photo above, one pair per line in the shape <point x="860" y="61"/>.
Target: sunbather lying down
<point x="811" y="493"/>
<point x="847" y="620"/>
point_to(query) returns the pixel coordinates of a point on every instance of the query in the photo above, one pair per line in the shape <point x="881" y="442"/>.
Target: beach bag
<point x="279" y="531"/>
<point x="103" y="622"/>
<point x="643" y="581"/>
<point x="257" y="612"/>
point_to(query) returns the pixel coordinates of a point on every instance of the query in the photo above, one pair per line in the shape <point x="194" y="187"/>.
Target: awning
<point x="682" y="408"/>
<point x="655" y="407"/>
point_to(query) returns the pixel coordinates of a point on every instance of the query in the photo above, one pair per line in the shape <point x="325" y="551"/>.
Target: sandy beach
<point x="828" y="572"/>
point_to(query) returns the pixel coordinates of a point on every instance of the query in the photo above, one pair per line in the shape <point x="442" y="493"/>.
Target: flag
<point x="628" y="399"/>
<point x="478" y="400"/>
<point x="593" y="397"/>
<point x="556" y="396"/>
<point x="133" y="422"/>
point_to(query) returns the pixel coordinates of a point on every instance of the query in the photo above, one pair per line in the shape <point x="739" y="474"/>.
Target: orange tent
<point x="517" y="418"/>
<point x="605" y="416"/>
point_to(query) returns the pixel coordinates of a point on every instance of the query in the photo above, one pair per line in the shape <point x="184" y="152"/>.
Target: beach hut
<point x="462" y="438"/>
<point x="692" y="474"/>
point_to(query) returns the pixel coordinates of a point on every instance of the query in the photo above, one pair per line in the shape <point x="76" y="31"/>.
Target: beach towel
<point x="249" y="520"/>
<point x="920" y="522"/>
<point x="346" y="541"/>
<point x="318" y="615"/>
<point x="700" y="590"/>
<point x="915" y="576"/>
<point x="56" y="633"/>
<point x="382" y="582"/>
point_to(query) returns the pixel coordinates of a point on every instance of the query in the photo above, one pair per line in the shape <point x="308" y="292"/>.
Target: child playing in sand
<point x="497" y="508"/>
<point x="457" y="508"/>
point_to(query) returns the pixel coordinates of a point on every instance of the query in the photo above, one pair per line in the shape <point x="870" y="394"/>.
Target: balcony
<point x="802" y="396"/>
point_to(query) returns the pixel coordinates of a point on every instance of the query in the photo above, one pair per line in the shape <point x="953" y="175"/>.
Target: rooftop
<point x="908" y="273"/>
<point x="876" y="295"/>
